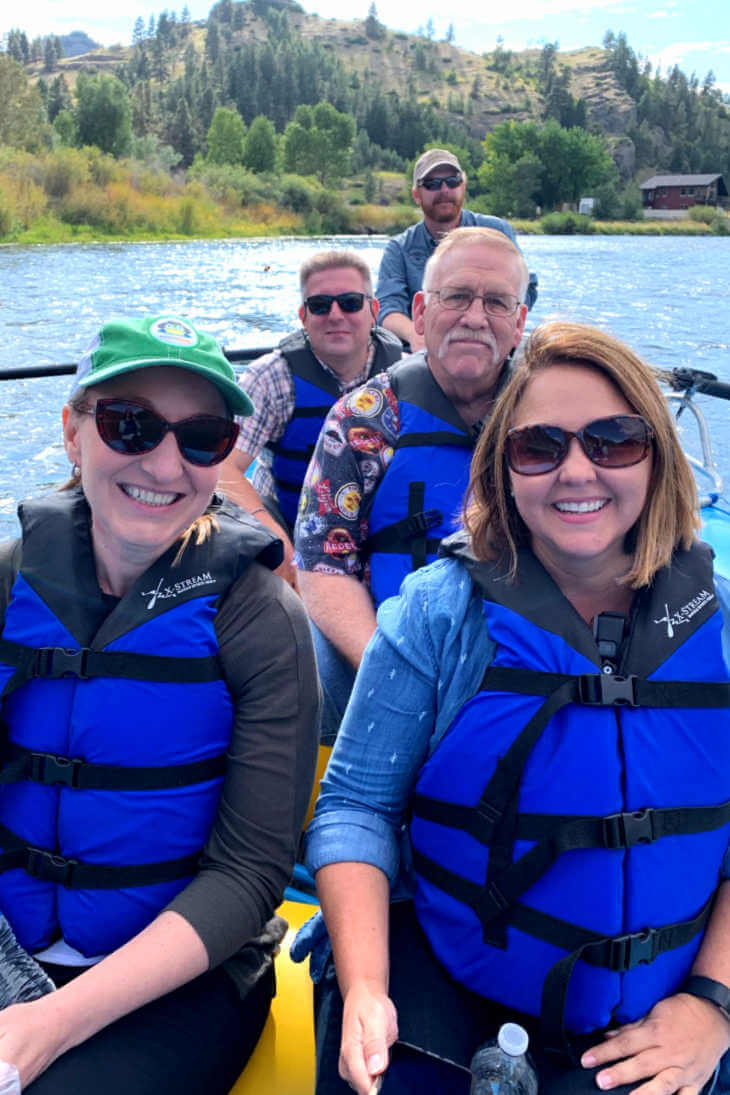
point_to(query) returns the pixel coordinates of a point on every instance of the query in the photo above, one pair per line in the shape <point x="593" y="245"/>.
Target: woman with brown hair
<point x="544" y="713"/>
<point x="160" y="705"/>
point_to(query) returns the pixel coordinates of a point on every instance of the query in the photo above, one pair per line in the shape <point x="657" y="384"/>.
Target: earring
<point x="76" y="471"/>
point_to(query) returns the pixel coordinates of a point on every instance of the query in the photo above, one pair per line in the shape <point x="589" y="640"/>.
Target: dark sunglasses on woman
<point x="321" y="303"/>
<point x="452" y="181"/>
<point x="618" y="441"/>
<point x="130" y="428"/>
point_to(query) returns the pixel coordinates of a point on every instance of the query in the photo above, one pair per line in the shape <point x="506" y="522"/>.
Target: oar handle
<point x="26" y="372"/>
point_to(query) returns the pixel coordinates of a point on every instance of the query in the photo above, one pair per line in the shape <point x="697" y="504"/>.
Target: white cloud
<point x="662" y="14"/>
<point x="680" y="53"/>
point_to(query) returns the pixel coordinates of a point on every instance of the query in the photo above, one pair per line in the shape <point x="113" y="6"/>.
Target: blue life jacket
<point x="418" y="501"/>
<point x="570" y="828"/>
<point x="315" y="393"/>
<point x="116" y="726"/>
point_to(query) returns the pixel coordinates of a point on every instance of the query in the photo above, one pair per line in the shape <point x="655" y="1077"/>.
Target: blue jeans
<point x="337" y="677"/>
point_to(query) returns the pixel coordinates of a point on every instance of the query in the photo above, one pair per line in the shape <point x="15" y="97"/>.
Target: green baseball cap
<point x="125" y="345"/>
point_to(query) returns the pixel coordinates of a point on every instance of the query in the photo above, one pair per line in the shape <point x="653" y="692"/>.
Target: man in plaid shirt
<point x="337" y="348"/>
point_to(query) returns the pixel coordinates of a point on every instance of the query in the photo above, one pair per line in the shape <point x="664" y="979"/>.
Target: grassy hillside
<point x="462" y="84"/>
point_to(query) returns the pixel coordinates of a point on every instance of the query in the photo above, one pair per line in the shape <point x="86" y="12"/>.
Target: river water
<point x="667" y="297"/>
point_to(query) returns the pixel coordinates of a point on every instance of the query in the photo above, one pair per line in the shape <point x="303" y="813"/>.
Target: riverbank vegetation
<point x="263" y="120"/>
<point x="72" y="195"/>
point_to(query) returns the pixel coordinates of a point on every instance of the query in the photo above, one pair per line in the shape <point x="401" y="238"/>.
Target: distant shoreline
<point x="46" y="235"/>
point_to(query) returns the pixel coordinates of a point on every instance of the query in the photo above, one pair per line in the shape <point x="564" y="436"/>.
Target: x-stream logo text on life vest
<point x="684" y="614"/>
<point x="163" y="592"/>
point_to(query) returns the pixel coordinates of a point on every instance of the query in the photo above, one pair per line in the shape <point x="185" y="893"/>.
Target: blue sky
<point x="694" y="36"/>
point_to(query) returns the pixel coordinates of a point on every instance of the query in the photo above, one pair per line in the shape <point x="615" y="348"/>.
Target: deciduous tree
<point x="103" y="114"/>
<point x="226" y="136"/>
<point x="259" y="149"/>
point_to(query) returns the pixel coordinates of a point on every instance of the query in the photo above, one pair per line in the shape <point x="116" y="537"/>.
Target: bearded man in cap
<point x="439" y="189"/>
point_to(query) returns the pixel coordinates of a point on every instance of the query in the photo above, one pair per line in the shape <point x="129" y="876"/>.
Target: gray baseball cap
<point x="435" y="157"/>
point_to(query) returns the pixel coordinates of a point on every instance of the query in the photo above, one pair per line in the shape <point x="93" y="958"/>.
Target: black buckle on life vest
<point x="607" y="690"/>
<point x="418" y="523"/>
<point x="53" y="662"/>
<point x="625" y="830"/>
<point x="49" y="866"/>
<point x="628" y="951"/>
<point x="47" y="768"/>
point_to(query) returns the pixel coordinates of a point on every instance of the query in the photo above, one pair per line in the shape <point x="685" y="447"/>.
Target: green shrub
<point x="566" y="224"/>
<point x="335" y="217"/>
<point x="6" y="214"/>
<point x="89" y="204"/>
<point x="188" y="221"/>
<point x="63" y="171"/>
<point x="720" y="225"/>
<point x="297" y="194"/>
<point x="704" y="213"/>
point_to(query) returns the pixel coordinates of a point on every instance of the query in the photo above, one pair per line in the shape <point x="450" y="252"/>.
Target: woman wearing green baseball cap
<point x="160" y="700"/>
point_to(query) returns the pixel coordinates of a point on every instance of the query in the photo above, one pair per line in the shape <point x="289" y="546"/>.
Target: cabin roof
<point x="680" y="180"/>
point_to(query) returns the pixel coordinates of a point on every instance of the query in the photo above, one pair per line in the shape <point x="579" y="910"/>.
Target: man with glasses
<point x="439" y="188"/>
<point x="391" y="466"/>
<point x="337" y="348"/>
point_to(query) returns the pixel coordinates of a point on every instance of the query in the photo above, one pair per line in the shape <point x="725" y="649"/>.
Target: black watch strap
<point x="707" y="989"/>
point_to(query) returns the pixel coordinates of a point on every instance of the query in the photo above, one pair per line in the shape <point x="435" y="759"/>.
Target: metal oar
<point x="26" y="372"/>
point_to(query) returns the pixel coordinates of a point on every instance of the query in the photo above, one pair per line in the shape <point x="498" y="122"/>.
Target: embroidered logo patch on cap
<point x="174" y="332"/>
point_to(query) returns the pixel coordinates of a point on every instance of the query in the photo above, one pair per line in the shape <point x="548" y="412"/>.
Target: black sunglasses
<point x="130" y="428"/>
<point x="614" y="442"/>
<point x="321" y="303"/>
<point x="452" y="181"/>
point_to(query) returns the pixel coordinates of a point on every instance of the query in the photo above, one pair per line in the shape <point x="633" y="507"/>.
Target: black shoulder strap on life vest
<point x="494" y="820"/>
<point x="413" y="382"/>
<point x="304" y="365"/>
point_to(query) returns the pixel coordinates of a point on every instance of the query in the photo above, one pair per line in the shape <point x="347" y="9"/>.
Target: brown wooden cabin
<point x="682" y="191"/>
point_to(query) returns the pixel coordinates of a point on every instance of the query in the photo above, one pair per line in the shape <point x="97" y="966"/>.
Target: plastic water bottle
<point x="21" y="978"/>
<point x="501" y="1066"/>
<point x="9" y="1079"/>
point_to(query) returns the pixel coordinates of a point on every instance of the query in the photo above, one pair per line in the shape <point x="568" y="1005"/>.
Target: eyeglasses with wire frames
<point x="132" y="429"/>
<point x="455" y="299"/>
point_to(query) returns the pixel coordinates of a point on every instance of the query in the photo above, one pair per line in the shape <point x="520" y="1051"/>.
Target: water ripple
<point x="668" y="297"/>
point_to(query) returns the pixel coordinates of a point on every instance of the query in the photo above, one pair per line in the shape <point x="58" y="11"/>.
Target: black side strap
<point x="305" y="453"/>
<point x="596" y="689"/>
<point x="436" y="437"/>
<point x="618" y="953"/>
<point x="409" y="534"/>
<point x="304" y="412"/>
<point x="608" y="689"/>
<point x="74" y="772"/>
<point x="53" y="662"/>
<point x="556" y="834"/>
<point x="74" y="875"/>
<point x="496" y="811"/>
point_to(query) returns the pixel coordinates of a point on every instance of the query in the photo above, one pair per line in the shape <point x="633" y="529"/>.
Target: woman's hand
<point x="369" y="1028"/>
<point x="674" y="1048"/>
<point x="30" y="1039"/>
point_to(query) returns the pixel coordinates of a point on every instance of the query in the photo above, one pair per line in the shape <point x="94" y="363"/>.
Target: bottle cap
<point x="513" y="1039"/>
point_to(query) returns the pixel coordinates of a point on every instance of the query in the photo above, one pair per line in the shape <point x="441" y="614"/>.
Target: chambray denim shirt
<point x="401" y="268"/>
<point x="426" y="659"/>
